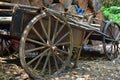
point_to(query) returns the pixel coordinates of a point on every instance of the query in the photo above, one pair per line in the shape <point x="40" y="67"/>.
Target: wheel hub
<point x="53" y="48"/>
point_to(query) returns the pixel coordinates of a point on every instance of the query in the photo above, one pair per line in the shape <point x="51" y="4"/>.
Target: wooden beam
<point x="5" y="19"/>
<point x="19" y="5"/>
<point x="6" y="10"/>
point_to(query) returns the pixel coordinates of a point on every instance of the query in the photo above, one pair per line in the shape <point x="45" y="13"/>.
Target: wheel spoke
<point x="49" y="67"/>
<point x="36" y="42"/>
<point x="1" y="44"/>
<point x="38" y="62"/>
<point x="64" y="43"/>
<point x="7" y="46"/>
<point x="62" y="38"/>
<point x="56" y="64"/>
<point x="55" y="31"/>
<point x="57" y="55"/>
<point x="116" y="30"/>
<point x="116" y="50"/>
<point x="41" y="54"/>
<point x="43" y="27"/>
<point x="118" y="47"/>
<point x="117" y="37"/>
<point x="58" y="32"/>
<point x="112" y="48"/>
<point x="46" y="62"/>
<point x="110" y="31"/>
<point x="39" y="36"/>
<point x="49" y="28"/>
<point x="35" y="49"/>
<point x="62" y="51"/>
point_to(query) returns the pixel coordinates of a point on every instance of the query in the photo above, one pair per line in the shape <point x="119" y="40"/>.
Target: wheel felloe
<point x="111" y="43"/>
<point x="47" y="41"/>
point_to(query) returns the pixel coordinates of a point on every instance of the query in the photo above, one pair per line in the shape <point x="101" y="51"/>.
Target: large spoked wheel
<point x="45" y="46"/>
<point x="111" y="44"/>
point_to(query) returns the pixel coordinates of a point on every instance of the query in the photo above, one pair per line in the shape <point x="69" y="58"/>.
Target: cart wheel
<point x="111" y="44"/>
<point x="4" y="47"/>
<point x="45" y="46"/>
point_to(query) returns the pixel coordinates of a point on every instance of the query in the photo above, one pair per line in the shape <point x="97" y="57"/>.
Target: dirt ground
<point x="90" y="67"/>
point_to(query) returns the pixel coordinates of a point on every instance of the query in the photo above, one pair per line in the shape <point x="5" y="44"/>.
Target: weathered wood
<point x="37" y="3"/>
<point x="66" y="3"/>
<point x="5" y="0"/>
<point x="25" y="2"/>
<point x="95" y="5"/>
<point x="5" y="19"/>
<point x="20" y="5"/>
<point x="6" y="10"/>
<point x="57" y="6"/>
<point x="47" y="2"/>
<point x="83" y="4"/>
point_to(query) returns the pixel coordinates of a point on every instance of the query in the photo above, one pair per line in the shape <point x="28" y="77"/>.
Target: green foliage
<point x="112" y="13"/>
<point x="108" y="3"/>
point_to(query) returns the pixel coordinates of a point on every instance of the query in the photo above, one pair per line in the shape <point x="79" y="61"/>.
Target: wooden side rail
<point x="19" y="5"/>
<point x="5" y="19"/>
<point x="6" y="10"/>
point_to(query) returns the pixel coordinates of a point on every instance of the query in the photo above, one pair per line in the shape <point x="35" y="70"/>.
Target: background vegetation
<point x="111" y="10"/>
<point x="108" y="3"/>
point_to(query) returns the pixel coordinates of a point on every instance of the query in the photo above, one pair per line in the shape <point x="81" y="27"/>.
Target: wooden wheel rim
<point x="111" y="44"/>
<point x="49" y="46"/>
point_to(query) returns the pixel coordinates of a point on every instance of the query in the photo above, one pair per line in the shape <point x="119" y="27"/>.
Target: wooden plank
<point x="20" y="5"/>
<point x="6" y="10"/>
<point x="5" y="19"/>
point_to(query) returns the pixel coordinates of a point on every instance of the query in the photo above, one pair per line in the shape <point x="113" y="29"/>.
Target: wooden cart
<point x="48" y="38"/>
